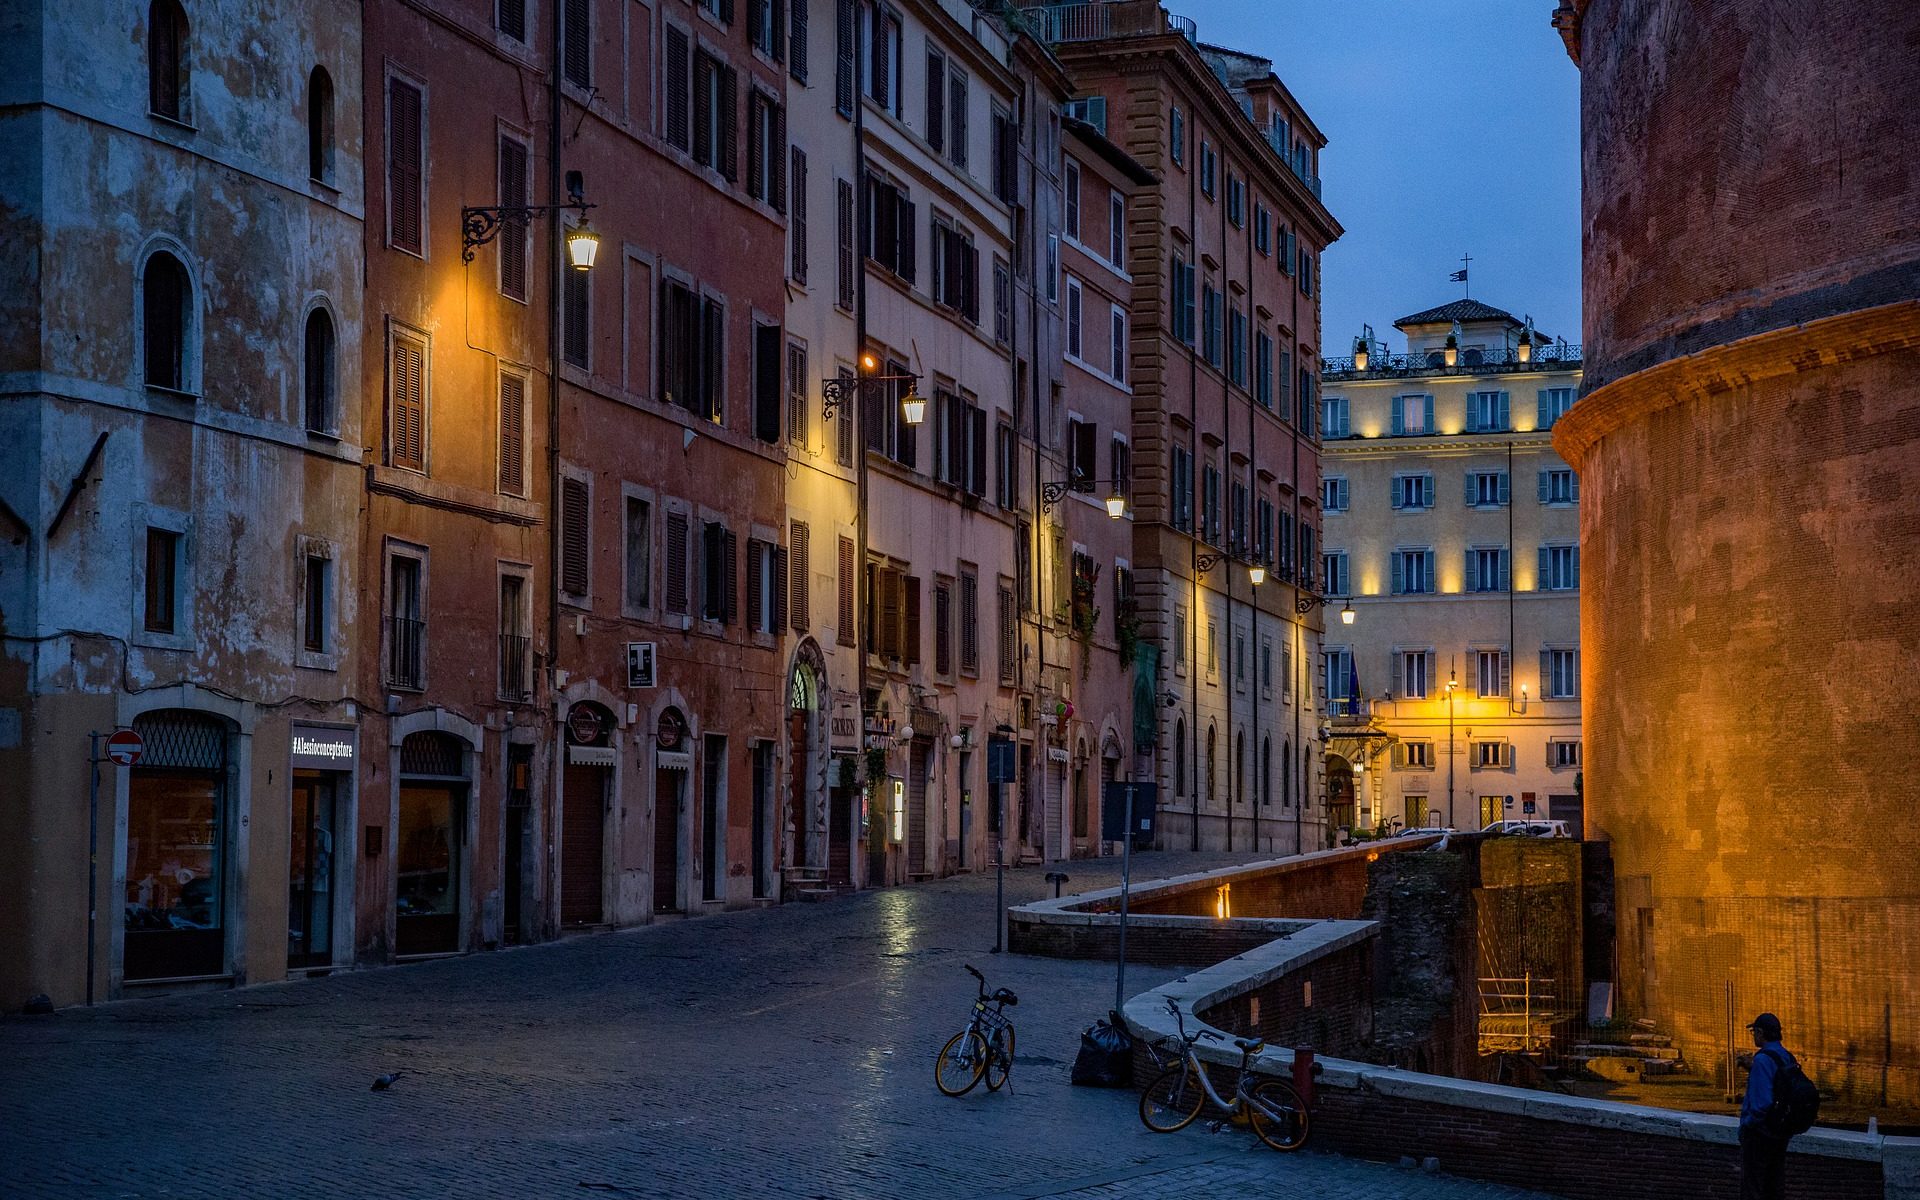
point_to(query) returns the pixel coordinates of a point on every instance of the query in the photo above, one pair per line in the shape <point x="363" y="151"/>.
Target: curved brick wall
<point x="1749" y="455"/>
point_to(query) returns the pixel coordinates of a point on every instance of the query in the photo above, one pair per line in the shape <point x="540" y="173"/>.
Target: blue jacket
<point x="1760" y="1077"/>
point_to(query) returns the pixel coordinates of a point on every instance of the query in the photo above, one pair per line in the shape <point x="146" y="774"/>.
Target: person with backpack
<point x="1780" y="1101"/>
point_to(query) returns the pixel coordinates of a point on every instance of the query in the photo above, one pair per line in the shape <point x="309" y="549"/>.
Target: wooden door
<point x="583" y="844"/>
<point x="667" y="786"/>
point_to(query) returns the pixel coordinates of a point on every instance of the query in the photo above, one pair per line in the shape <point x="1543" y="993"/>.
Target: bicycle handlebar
<point x="975" y="974"/>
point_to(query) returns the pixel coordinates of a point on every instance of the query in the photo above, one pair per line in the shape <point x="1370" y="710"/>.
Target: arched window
<point x="165" y="297"/>
<point x="1180" y="757"/>
<point x="320" y="125"/>
<point x="320" y="372"/>
<point x="167" y="60"/>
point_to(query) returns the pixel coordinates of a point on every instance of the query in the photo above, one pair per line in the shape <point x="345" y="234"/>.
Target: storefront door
<point x="917" y="757"/>
<point x="310" y="887"/>
<point x="175" y="843"/>
<point x="669" y="787"/>
<point x="427" y="869"/>
<point x="840" y="836"/>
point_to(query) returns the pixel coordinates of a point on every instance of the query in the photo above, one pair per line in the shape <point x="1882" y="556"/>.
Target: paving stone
<point x="783" y="1053"/>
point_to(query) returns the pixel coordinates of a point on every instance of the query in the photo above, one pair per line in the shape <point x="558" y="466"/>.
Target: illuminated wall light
<point x="1223" y="901"/>
<point x="899" y="821"/>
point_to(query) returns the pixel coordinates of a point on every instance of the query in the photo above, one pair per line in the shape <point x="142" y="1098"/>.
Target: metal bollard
<point x="1056" y="878"/>
<point x="1304" y="1069"/>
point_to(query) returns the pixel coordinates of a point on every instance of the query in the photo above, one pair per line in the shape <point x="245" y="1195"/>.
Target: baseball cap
<point x="1767" y="1023"/>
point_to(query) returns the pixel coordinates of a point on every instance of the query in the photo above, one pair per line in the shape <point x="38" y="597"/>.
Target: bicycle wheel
<point x="1277" y="1115"/>
<point x="1172" y="1100"/>
<point x="961" y="1061"/>
<point x="1000" y="1058"/>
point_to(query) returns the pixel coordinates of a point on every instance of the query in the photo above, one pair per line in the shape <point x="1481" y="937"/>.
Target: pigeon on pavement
<point x="386" y="1081"/>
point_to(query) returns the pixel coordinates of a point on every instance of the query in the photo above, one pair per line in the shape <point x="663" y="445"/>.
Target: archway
<point x="1340" y="796"/>
<point x="805" y="840"/>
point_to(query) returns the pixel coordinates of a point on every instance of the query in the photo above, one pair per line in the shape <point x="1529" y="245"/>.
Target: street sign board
<point x="640" y="658"/>
<point x="1000" y="766"/>
<point x="125" y="747"/>
<point x="1113" y="811"/>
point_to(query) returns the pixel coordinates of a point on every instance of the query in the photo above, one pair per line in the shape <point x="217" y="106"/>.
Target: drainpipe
<point x="1253" y="507"/>
<point x="1193" y="459"/>
<point x="859" y="401"/>
<point x="1226" y="500"/>
<point x="554" y="268"/>
<point x="1040" y="537"/>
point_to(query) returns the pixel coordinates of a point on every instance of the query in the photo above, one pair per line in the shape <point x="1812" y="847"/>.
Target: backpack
<point x="1796" y="1102"/>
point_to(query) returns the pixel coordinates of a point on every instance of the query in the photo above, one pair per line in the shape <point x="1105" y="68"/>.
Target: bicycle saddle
<point x="1006" y="997"/>
<point x="1251" y="1047"/>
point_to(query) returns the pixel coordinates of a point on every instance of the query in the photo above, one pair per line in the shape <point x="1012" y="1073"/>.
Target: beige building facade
<point x="1452" y="533"/>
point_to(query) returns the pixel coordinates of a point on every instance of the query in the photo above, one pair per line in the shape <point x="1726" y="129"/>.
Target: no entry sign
<point x="125" y="747"/>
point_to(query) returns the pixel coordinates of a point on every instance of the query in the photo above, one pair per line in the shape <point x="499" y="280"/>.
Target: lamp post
<point x="1453" y="685"/>
<point x="1055" y="491"/>
<point x="481" y="223"/>
<point x="1308" y="602"/>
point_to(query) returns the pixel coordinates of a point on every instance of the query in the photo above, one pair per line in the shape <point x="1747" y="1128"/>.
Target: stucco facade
<point x="1223" y="253"/>
<point x="1453" y="537"/>
<point x="1748" y="463"/>
<point x="172" y="489"/>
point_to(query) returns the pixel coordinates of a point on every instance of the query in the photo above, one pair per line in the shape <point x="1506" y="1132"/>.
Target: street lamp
<point x="1257" y="573"/>
<point x="481" y="223"/>
<point x="1360" y="353"/>
<point x="913" y="406"/>
<point x="1308" y="602"/>
<point x="839" y="391"/>
<point x="1051" y="493"/>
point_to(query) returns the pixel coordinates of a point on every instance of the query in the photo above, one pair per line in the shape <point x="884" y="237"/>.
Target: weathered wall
<point x="1749" y="518"/>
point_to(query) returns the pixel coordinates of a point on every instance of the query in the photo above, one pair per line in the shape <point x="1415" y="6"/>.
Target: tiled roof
<point x="1462" y="311"/>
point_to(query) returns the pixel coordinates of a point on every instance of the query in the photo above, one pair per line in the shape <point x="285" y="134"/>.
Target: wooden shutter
<point x="909" y="234"/>
<point x="800" y="578"/>
<point x="729" y="577"/>
<point x="163" y="60"/>
<point x="779" y="588"/>
<point x="406" y="444"/>
<point x="910" y="610"/>
<point x="969" y="625"/>
<point x="844" y="616"/>
<point x="512" y="19"/>
<point x="879" y="73"/>
<point x="678" y="86"/>
<point x="574" y="509"/>
<point x="777" y="154"/>
<point x="404" y="166"/>
<point x="936" y="124"/>
<point x="513" y="230"/>
<point x="676" y="571"/>
<point x="797" y="216"/>
<point x="979" y="449"/>
<point x="1399" y="573"/>
<point x="843" y="230"/>
<point x="942" y="629"/>
<point x="729" y="118"/>
<point x="767" y="340"/>
<point x="758" y="146"/>
<point x="713" y="348"/>
<point x="578" y="51"/>
<point x="957" y="114"/>
<point x="703" y="140"/>
<point x="513" y="435"/>
<point x="799" y="419"/>
<point x="797" y="51"/>
<point x="844" y="19"/>
<point x="756" y="575"/>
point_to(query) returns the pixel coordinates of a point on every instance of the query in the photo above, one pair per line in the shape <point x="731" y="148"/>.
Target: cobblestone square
<point x="778" y="1053"/>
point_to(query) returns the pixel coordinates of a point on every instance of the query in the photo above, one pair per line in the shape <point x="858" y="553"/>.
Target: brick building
<point x="1222" y="255"/>
<point x="1748" y="456"/>
<point x="1452" y="534"/>
<point x="179" y="493"/>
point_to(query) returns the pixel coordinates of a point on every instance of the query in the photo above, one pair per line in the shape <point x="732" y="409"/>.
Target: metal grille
<point x="432" y="754"/>
<point x="183" y="739"/>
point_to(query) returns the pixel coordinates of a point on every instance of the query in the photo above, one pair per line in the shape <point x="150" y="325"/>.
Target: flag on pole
<point x="1459" y="276"/>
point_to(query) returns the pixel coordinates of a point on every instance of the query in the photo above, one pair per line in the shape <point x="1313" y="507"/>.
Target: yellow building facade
<point x="1452" y="533"/>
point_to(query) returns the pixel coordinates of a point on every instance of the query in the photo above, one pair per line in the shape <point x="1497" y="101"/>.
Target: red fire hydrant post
<point x="1303" y="1073"/>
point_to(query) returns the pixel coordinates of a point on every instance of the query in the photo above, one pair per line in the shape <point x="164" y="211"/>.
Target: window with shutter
<point x="676" y="569"/>
<point x="513" y="435"/>
<point x="844" y="614"/>
<point x="166" y="58"/>
<point x="639" y="554"/>
<point x="1009" y="633"/>
<point x="777" y="585"/>
<point x="165" y="300"/>
<point x="512" y="240"/>
<point x="757" y="608"/>
<point x="576" y="20"/>
<point x="679" y="87"/>
<point x="407" y="404"/>
<point x="910" y="617"/>
<point x="843" y="230"/>
<point x="767" y="340"/>
<point x="319" y="373"/>
<point x="969" y="624"/>
<point x="729" y="578"/>
<point x="844" y="36"/>
<point x="405" y="166"/>
<point x="935" y="128"/>
<point x="797" y="217"/>
<point x="799" y="430"/>
<point x="957" y="116"/>
<point x="574" y="517"/>
<point x="800" y="578"/>
<point x="510" y="18"/>
<point x="712" y="360"/>
<point x="978" y="448"/>
<point x="797" y="39"/>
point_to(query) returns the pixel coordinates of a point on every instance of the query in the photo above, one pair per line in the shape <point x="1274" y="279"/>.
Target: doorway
<point x="583" y="843"/>
<point x="1340" y="795"/>
<point x="669" y="800"/>
<point x="310" y="887"/>
<point x="762" y="819"/>
<point x="516" y="840"/>
<point x="917" y="755"/>
<point x="427" y="869"/>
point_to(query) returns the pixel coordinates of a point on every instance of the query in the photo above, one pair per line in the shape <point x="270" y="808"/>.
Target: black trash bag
<point x="1106" y="1055"/>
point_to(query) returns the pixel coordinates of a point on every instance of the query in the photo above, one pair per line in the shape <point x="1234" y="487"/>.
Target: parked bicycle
<point x="1175" y="1097"/>
<point x="983" y="1050"/>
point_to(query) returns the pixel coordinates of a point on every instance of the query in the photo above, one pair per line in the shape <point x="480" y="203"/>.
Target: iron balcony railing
<point x="514" y="669"/>
<point x="406" y="645"/>
<point x="1559" y="356"/>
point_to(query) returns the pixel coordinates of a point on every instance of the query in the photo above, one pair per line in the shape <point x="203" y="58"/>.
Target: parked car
<point x="1426" y="831"/>
<point x="1545" y="829"/>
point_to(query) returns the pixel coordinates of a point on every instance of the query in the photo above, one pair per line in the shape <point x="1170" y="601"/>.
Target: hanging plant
<point x="1126" y="630"/>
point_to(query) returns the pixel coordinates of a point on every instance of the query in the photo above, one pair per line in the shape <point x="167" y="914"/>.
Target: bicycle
<point x="1174" y="1098"/>
<point x="983" y="1050"/>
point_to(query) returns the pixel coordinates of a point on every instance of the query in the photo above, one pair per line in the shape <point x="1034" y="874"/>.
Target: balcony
<point x="406" y="657"/>
<point x="1057" y="23"/>
<point x="1561" y="356"/>
<point x="514" y="669"/>
<point x="1285" y="152"/>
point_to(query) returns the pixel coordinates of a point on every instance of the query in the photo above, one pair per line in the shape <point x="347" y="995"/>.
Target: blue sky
<point x="1452" y="127"/>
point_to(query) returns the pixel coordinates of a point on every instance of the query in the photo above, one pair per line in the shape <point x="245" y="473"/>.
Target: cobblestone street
<point x="778" y="1053"/>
